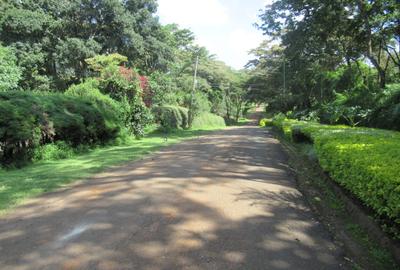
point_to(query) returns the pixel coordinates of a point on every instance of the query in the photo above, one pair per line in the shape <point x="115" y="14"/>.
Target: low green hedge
<point x="205" y="119"/>
<point x="171" y="117"/>
<point x="365" y="161"/>
<point x="265" y="122"/>
<point x="28" y="120"/>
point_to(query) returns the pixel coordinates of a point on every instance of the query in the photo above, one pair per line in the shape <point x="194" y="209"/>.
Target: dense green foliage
<point x="28" y="120"/>
<point x="334" y="61"/>
<point x="264" y="122"/>
<point x="10" y="73"/>
<point x="53" y="38"/>
<point x="171" y="117"/>
<point x="56" y="151"/>
<point x="363" y="160"/>
<point x="90" y="90"/>
<point x="175" y="117"/>
<point x="206" y="119"/>
<point x="59" y="43"/>
<point x="386" y="113"/>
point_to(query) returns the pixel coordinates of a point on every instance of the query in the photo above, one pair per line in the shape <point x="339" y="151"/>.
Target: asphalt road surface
<point x="221" y="201"/>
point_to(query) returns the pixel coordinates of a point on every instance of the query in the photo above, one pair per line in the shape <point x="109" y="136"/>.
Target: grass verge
<point x="17" y="185"/>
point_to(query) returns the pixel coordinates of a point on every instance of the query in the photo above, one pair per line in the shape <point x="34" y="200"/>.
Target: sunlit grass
<point x="17" y="185"/>
<point x="244" y="121"/>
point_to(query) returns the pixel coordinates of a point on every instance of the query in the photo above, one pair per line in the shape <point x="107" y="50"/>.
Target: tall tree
<point x="10" y="73"/>
<point x="52" y="38"/>
<point x="334" y="31"/>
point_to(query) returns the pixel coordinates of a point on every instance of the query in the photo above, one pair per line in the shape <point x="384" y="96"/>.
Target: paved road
<point x="222" y="201"/>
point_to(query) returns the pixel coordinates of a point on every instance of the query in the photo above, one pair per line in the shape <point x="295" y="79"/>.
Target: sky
<point x="224" y="27"/>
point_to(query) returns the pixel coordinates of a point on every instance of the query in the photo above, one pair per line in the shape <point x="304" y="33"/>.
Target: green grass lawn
<point x="17" y="185"/>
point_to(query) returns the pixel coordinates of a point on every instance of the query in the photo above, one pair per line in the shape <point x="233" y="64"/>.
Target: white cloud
<point x="188" y="13"/>
<point x="244" y="40"/>
<point x="224" y="27"/>
<point x="239" y="43"/>
<point x="233" y="47"/>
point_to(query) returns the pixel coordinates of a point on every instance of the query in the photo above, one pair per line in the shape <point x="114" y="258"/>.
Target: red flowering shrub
<point x="147" y="94"/>
<point x="127" y="73"/>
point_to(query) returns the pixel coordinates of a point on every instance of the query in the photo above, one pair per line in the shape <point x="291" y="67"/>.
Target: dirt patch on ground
<point x="221" y="201"/>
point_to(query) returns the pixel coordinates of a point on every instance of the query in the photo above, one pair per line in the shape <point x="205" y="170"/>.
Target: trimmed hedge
<point x="205" y="119"/>
<point x="365" y="161"/>
<point x="28" y="120"/>
<point x="265" y="122"/>
<point x="171" y="117"/>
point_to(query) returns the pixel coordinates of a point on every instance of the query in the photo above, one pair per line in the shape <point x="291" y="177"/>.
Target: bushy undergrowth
<point x="365" y="161"/>
<point x="132" y="112"/>
<point x="29" y="120"/>
<point x="387" y="112"/>
<point x="265" y="122"/>
<point x="53" y="151"/>
<point x="171" y="117"/>
<point x="89" y="90"/>
<point x="208" y="120"/>
<point x="380" y="109"/>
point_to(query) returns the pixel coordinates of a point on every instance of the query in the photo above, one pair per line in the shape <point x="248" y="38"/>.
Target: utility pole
<point x="284" y="75"/>
<point x="284" y="80"/>
<point x="195" y="75"/>
<point x="191" y="113"/>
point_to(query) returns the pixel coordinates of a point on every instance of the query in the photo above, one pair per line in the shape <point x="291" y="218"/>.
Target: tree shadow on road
<point x="222" y="203"/>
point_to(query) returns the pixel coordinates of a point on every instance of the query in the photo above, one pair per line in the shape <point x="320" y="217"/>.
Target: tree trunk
<point x="381" y="72"/>
<point x="369" y="51"/>
<point x="238" y="110"/>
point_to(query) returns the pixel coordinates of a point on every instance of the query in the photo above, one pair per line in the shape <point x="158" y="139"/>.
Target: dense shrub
<point x="198" y="103"/>
<point x="132" y="112"/>
<point x="204" y="120"/>
<point x="115" y="79"/>
<point x="127" y="87"/>
<point x="28" y="120"/>
<point x="265" y="122"/>
<point x="164" y="89"/>
<point x="387" y="113"/>
<point x="90" y="91"/>
<point x="284" y="124"/>
<point x="171" y="117"/>
<point x="138" y="117"/>
<point x="53" y="151"/>
<point x="184" y="116"/>
<point x="10" y="73"/>
<point x="365" y="161"/>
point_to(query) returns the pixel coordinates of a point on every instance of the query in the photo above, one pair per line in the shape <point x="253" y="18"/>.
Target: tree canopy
<point x="57" y="44"/>
<point x="326" y="59"/>
<point x="53" y="38"/>
<point x="10" y="73"/>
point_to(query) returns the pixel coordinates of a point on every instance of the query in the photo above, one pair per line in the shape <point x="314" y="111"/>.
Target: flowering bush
<point x="147" y="93"/>
<point x="126" y="86"/>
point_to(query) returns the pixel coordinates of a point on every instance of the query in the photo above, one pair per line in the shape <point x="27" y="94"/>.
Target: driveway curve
<point x="220" y="201"/>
